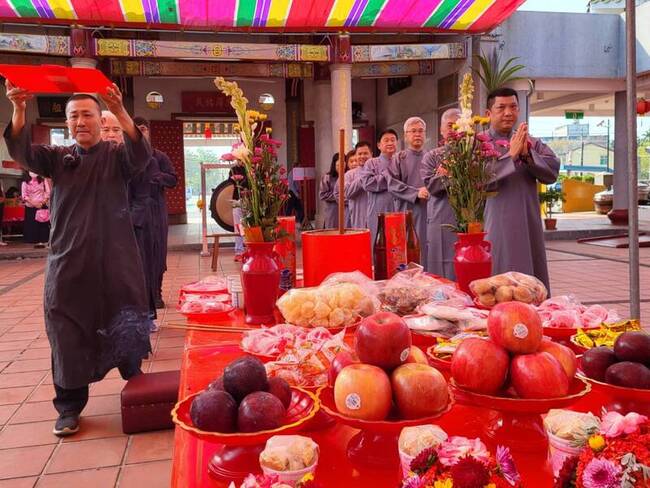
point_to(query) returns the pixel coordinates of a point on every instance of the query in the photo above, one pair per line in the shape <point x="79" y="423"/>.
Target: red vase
<point x="472" y="260"/>
<point x="260" y="276"/>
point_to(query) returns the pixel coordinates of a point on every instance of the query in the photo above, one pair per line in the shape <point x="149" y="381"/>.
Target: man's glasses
<point x="416" y="131"/>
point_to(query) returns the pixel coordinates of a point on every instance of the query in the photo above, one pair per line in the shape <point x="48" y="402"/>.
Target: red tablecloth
<point x="13" y="214"/>
<point x="191" y="456"/>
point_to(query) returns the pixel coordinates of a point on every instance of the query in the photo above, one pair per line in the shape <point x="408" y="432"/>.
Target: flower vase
<point x="260" y="276"/>
<point x="472" y="260"/>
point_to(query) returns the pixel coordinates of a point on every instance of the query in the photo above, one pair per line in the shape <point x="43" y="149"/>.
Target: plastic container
<point x="558" y="450"/>
<point x="405" y="462"/>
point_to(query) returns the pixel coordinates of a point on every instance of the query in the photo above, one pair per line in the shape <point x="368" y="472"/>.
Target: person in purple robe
<point x="405" y="181"/>
<point x="326" y="193"/>
<point x="440" y="239"/>
<point x="163" y="177"/>
<point x="96" y="314"/>
<point x="355" y="195"/>
<point x="374" y="180"/>
<point x="512" y="218"/>
<point x="350" y="164"/>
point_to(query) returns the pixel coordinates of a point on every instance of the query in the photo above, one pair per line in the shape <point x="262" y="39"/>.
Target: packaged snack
<point x="337" y="305"/>
<point x="289" y="453"/>
<point x="567" y="312"/>
<point x="404" y="292"/>
<point x="413" y="440"/>
<point x="508" y="287"/>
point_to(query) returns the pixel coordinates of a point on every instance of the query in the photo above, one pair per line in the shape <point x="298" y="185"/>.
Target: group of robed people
<point x="409" y="180"/>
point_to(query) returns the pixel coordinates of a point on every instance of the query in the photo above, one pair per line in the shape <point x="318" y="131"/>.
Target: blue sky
<point x="555" y="5"/>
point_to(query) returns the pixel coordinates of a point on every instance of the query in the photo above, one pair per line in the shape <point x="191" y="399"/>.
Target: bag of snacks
<point x="508" y="287"/>
<point x="336" y="305"/>
<point x="408" y="289"/>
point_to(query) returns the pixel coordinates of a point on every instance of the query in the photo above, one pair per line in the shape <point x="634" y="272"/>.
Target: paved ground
<point x="101" y="456"/>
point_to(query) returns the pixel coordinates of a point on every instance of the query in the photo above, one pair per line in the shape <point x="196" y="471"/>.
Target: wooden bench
<point x="215" y="247"/>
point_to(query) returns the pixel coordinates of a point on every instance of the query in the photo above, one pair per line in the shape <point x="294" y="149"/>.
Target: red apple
<point x="419" y="390"/>
<point x="516" y="327"/>
<point x="416" y="355"/>
<point x="538" y="375"/>
<point x="383" y="340"/>
<point x="563" y="354"/>
<point x="363" y="391"/>
<point x="341" y="360"/>
<point x="480" y="365"/>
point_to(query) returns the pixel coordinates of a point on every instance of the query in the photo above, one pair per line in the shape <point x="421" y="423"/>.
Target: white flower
<point x="241" y="152"/>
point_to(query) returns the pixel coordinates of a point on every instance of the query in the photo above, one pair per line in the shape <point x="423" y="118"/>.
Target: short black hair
<point x="83" y="96"/>
<point x="500" y="92"/>
<point x="362" y="144"/>
<point x="333" y="172"/>
<point x="141" y="121"/>
<point x="388" y="131"/>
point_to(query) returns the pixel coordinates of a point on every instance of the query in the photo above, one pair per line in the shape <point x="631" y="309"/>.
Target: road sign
<point x="574" y="115"/>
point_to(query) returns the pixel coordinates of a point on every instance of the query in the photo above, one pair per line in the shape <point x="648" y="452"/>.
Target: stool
<point x="215" y="247"/>
<point x="147" y="401"/>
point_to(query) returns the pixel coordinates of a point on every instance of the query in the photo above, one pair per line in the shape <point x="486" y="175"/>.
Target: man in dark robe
<point x="95" y="306"/>
<point x="162" y="177"/>
<point x="440" y="240"/>
<point x="374" y="179"/>
<point x="512" y="218"/>
<point x="405" y="181"/>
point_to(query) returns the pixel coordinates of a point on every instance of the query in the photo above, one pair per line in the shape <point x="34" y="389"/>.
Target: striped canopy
<point x="280" y="15"/>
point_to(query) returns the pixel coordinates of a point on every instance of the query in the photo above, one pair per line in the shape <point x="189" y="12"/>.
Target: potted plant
<point x="549" y="198"/>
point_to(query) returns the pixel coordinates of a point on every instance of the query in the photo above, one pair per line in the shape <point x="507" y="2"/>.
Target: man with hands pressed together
<point x="512" y="217"/>
<point x="95" y="305"/>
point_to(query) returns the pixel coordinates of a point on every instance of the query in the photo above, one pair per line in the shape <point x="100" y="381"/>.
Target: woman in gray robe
<point x="326" y="193"/>
<point x="95" y="305"/>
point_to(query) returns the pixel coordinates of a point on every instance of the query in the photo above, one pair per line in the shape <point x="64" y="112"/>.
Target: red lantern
<point x="642" y="106"/>
<point x="208" y="132"/>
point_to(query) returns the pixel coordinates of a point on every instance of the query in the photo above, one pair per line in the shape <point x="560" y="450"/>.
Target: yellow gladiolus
<point x="477" y="119"/>
<point x="263" y="117"/>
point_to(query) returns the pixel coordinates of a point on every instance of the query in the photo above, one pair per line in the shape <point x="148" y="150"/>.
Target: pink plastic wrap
<point x="566" y="311"/>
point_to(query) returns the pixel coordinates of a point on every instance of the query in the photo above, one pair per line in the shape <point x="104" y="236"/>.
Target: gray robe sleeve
<point x="396" y="186"/>
<point x="134" y="155"/>
<point x="434" y="183"/>
<point x="325" y="191"/>
<point x="371" y="180"/>
<point x="39" y="159"/>
<point x="353" y="186"/>
<point x="543" y="164"/>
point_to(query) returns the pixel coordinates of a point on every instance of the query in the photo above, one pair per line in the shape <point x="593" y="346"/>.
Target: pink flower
<point x="614" y="424"/>
<point x="502" y="142"/>
<point x="483" y="136"/>
<point x="228" y="157"/>
<point x="456" y="447"/>
<point x="601" y="473"/>
<point x="282" y="170"/>
<point x="442" y="171"/>
<point x="268" y="140"/>
<point x="258" y="151"/>
<point x="256" y="159"/>
<point x="237" y="177"/>
<point x="487" y="147"/>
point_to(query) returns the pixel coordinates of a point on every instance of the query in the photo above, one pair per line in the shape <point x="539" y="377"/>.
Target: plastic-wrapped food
<point x="408" y="289"/>
<point x="204" y="305"/>
<point x="450" y="296"/>
<point x="209" y="284"/>
<point x="445" y="322"/>
<point x="605" y="335"/>
<point x="307" y="362"/>
<point x="289" y="453"/>
<point x="508" y="287"/>
<point x="567" y="312"/>
<point x="570" y="425"/>
<point x="413" y="440"/>
<point x="445" y="348"/>
<point x="336" y="305"/>
<point x="274" y="341"/>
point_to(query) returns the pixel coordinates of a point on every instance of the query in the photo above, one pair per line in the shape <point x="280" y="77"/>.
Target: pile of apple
<point x="244" y="399"/>
<point x="516" y="360"/>
<point x="627" y="364"/>
<point x="388" y="377"/>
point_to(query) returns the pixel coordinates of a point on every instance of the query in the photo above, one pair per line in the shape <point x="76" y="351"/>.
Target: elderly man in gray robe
<point x="440" y="240"/>
<point x="374" y="179"/>
<point x="512" y="218"/>
<point x="405" y="181"/>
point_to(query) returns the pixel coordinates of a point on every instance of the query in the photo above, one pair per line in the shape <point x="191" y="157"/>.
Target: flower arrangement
<point x="465" y="163"/>
<point x="271" y="481"/>
<point x="616" y="456"/>
<point x="462" y="463"/>
<point x="263" y="190"/>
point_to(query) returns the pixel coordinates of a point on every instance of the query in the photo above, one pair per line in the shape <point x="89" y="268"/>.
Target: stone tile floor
<point x="101" y="455"/>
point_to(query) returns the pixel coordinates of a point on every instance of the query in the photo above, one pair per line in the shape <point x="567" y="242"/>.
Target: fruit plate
<point x="303" y="407"/>
<point x="438" y="362"/>
<point x="575" y="346"/>
<point x="376" y="443"/>
<point x="627" y="399"/>
<point x="517" y="422"/>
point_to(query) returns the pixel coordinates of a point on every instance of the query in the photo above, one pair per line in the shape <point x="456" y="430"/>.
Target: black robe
<point x="95" y="305"/>
<point x="165" y="178"/>
<point x="146" y="225"/>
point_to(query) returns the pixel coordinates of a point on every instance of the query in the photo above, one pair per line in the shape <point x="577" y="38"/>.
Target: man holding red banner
<point x="95" y="306"/>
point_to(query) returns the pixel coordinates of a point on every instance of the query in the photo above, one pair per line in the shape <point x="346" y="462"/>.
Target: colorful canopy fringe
<point x="289" y="15"/>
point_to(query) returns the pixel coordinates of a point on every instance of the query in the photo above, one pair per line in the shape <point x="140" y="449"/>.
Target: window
<point x="603" y="160"/>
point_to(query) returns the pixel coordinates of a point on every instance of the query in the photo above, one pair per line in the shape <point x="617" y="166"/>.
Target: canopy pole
<point x="633" y="197"/>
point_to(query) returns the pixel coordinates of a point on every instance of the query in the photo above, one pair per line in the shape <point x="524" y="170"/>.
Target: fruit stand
<point x="201" y="364"/>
